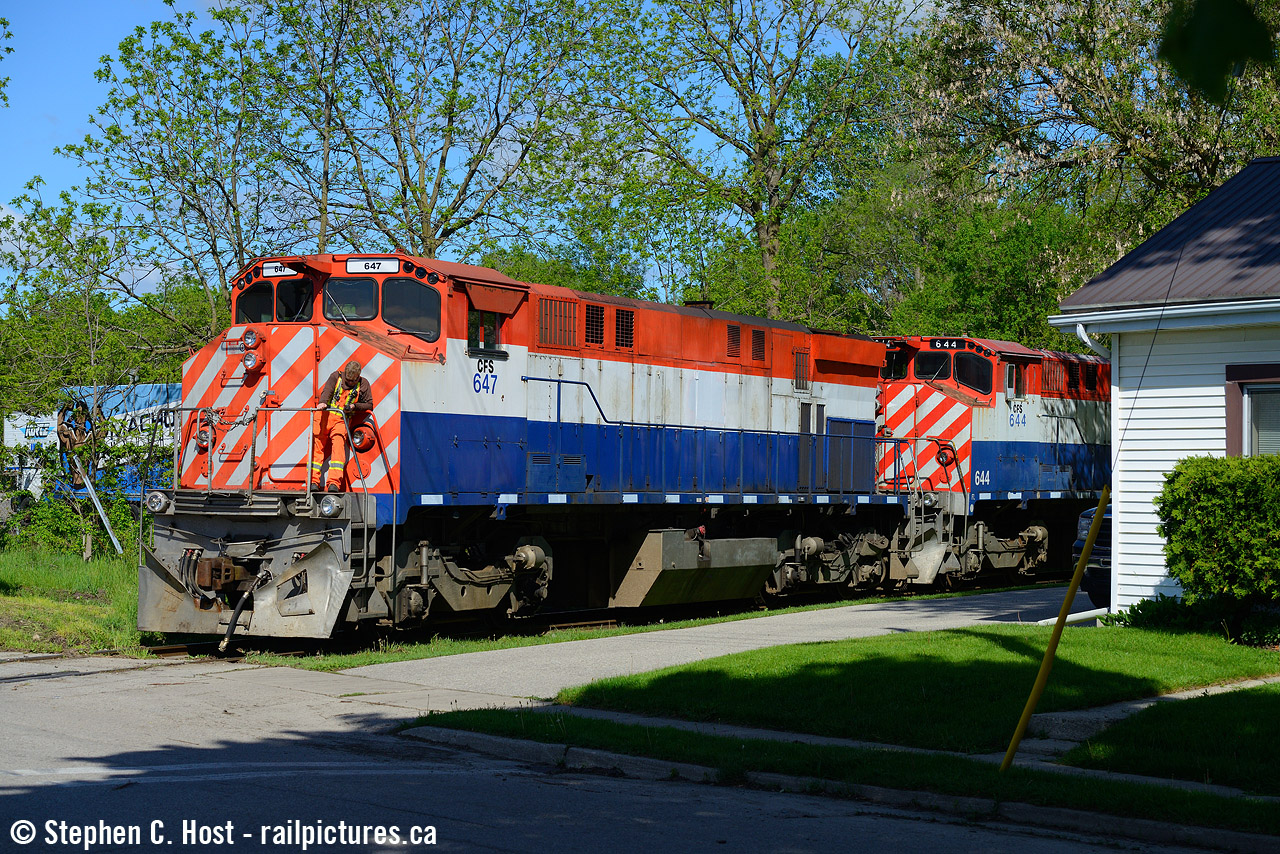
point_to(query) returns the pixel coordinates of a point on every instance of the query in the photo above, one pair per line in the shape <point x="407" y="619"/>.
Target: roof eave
<point x="1197" y="315"/>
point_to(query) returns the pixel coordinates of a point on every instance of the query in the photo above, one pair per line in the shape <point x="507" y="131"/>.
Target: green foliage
<point x="60" y="519"/>
<point x="986" y="270"/>
<point x="1206" y="41"/>
<point x="51" y="602"/>
<point x="1225" y="615"/>
<point x="5" y="35"/>
<point x="567" y="270"/>
<point x="1220" y="518"/>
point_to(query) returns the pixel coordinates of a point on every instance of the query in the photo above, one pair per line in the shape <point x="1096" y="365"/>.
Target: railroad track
<point x="209" y="649"/>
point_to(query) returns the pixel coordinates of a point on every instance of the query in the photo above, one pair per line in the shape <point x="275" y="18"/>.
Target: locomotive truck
<point x="532" y="446"/>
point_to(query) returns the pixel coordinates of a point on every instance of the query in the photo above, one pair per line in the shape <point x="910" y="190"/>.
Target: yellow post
<point x="1042" y="678"/>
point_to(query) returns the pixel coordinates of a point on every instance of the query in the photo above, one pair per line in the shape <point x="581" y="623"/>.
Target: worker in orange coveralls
<point x="345" y="398"/>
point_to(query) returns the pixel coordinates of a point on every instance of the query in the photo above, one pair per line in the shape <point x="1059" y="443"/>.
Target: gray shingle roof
<point x="1226" y="247"/>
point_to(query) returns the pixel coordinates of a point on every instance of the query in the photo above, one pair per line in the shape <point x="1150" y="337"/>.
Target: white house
<point x="1194" y="319"/>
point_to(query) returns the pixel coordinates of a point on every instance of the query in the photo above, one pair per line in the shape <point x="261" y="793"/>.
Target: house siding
<point x="1168" y="402"/>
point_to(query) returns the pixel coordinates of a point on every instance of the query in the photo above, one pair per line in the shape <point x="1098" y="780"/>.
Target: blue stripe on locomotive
<point x="488" y="456"/>
<point x="1040" y="466"/>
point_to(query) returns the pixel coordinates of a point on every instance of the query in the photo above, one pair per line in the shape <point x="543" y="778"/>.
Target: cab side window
<point x="974" y="371"/>
<point x="412" y="306"/>
<point x="483" y="328"/>
<point x="254" y="304"/>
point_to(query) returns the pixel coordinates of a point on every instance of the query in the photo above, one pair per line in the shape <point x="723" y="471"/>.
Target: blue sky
<point x="52" y="92"/>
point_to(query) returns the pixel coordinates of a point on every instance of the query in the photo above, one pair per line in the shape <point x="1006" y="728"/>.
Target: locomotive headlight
<point x="251" y="339"/>
<point x="157" y="502"/>
<point x="330" y="506"/>
<point x="252" y="361"/>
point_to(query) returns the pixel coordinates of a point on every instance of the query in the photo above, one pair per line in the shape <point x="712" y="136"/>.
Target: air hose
<point x="263" y="578"/>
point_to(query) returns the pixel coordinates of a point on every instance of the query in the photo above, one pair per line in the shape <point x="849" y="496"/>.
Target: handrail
<point x="815" y="438"/>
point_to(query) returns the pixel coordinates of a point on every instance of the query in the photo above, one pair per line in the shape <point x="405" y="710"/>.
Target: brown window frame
<point x="1238" y="376"/>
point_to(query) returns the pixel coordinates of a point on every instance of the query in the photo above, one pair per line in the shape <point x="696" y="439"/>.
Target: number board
<point x="947" y="344"/>
<point x="373" y="265"/>
<point x="275" y="268"/>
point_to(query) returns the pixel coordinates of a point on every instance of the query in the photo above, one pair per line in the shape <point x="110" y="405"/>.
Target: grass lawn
<point x="55" y="602"/>
<point x="1229" y="739"/>
<point x="960" y="690"/>
<point x="891" y="769"/>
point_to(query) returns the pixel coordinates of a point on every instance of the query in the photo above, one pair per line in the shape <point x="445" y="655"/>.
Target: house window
<point x="1261" y="418"/>
<point x="1252" y="396"/>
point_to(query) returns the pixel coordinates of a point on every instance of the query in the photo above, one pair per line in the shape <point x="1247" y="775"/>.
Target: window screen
<point x="413" y="306"/>
<point x="1264" y="419"/>
<point x="254" y="304"/>
<point x="974" y="371"/>
<point x="595" y="324"/>
<point x="802" y="370"/>
<point x="557" y="322"/>
<point x="932" y="365"/>
<point x="625" y="329"/>
<point x="294" y="298"/>
<point x="351" y="299"/>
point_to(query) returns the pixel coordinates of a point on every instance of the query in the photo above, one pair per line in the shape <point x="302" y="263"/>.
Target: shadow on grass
<point x="966" y="696"/>
<point x="1242" y="747"/>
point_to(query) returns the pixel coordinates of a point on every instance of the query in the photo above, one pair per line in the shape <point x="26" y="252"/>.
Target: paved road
<point x="90" y="740"/>
<point x="510" y="677"/>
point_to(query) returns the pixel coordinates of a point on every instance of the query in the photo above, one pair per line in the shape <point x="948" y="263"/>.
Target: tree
<point x="741" y="102"/>
<point x="1069" y="102"/>
<point x="5" y="35"/>
<point x="418" y="124"/>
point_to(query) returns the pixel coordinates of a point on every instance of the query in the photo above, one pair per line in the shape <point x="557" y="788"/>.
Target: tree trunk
<point x="768" y="234"/>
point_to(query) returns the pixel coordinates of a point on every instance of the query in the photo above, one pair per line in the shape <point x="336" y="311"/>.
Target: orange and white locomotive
<point x="534" y="446"/>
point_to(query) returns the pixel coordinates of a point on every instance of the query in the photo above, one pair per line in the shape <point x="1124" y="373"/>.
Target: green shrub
<point x="1206" y="615"/>
<point x="1220" y="518"/>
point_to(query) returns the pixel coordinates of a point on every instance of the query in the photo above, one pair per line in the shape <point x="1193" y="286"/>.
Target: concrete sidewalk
<point x="511" y="677"/>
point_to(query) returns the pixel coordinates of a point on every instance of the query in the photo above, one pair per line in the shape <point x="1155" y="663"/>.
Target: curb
<point x="980" y="809"/>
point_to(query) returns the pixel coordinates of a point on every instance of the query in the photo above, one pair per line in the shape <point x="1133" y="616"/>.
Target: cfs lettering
<point x="1017" y="418"/>
<point x="485" y="380"/>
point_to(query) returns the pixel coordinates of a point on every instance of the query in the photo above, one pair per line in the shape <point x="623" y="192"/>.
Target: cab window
<point x="412" y="306"/>
<point x="895" y="365"/>
<point x="932" y="365"/>
<point x="350" y="299"/>
<point x="974" y="371"/>
<point x="254" y="304"/>
<point x="294" y="298"/>
<point x="482" y="330"/>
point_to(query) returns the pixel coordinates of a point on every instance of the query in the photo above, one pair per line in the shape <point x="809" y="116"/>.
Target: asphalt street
<point x="212" y="755"/>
